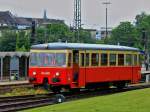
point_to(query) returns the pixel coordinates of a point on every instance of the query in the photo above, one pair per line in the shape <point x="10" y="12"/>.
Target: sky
<point x="93" y="11"/>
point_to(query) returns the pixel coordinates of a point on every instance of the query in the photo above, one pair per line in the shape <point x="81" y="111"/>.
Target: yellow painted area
<point x="49" y="51"/>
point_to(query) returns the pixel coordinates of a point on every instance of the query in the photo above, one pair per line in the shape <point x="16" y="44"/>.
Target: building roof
<point x="41" y="20"/>
<point x="11" y="20"/>
<point x="82" y="46"/>
<point x="7" y="18"/>
<point x="11" y="54"/>
<point x="90" y="29"/>
<point x="23" y="21"/>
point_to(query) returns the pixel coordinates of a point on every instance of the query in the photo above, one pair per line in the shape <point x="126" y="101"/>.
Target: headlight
<point x="34" y="73"/>
<point x="57" y="74"/>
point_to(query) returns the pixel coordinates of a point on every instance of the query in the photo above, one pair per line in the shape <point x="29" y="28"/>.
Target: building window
<point x="95" y="59"/>
<point x="128" y="59"/>
<point x="104" y="59"/>
<point x="121" y="59"/>
<point x="87" y="59"/>
<point x="112" y="59"/>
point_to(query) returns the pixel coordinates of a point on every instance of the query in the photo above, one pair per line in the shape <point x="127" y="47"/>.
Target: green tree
<point x="139" y="18"/>
<point x="124" y="34"/>
<point x="22" y="41"/>
<point x="143" y="23"/>
<point x="56" y="32"/>
<point x="8" y="41"/>
<point x="53" y="33"/>
<point x="131" y="35"/>
<point x="85" y="37"/>
<point x="13" y="40"/>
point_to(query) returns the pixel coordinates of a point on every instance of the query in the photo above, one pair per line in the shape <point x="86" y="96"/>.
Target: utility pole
<point x="146" y="54"/>
<point x="33" y="28"/>
<point x="45" y="25"/>
<point x="106" y="3"/>
<point x="77" y="19"/>
<point x="145" y="44"/>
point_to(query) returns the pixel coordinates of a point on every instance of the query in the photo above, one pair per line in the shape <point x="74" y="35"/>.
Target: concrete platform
<point x="14" y="83"/>
<point x="144" y="72"/>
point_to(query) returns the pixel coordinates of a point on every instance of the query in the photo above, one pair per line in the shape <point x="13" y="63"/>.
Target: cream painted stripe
<point x="49" y="51"/>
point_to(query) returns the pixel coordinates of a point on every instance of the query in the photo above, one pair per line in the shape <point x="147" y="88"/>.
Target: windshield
<point x="48" y="59"/>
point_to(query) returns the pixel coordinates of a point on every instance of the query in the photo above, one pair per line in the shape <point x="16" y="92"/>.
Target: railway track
<point x="10" y="104"/>
<point x="5" y="88"/>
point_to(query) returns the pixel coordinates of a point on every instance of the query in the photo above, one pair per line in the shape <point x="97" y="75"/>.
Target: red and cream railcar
<point x="76" y="65"/>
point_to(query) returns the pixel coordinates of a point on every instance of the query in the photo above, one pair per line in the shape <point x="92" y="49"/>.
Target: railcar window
<point x="87" y="59"/>
<point x="128" y="59"/>
<point x="76" y="58"/>
<point x="69" y="59"/>
<point x="60" y="59"/>
<point x="112" y="59"/>
<point x="140" y="58"/>
<point x="48" y="59"/>
<point x="95" y="59"/>
<point x="34" y="59"/>
<point x="121" y="59"/>
<point x="135" y="60"/>
<point x="82" y="59"/>
<point x="104" y="59"/>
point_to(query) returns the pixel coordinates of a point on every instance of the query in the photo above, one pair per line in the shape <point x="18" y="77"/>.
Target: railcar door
<point x="82" y="71"/>
<point x="75" y="67"/>
<point x="135" y="69"/>
<point x="78" y="69"/>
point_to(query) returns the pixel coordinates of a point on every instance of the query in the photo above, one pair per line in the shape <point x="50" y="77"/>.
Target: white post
<point x="148" y="78"/>
<point x="1" y="68"/>
<point x="26" y="67"/>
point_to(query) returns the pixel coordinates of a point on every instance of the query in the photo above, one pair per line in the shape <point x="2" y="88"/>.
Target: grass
<point x="132" y="101"/>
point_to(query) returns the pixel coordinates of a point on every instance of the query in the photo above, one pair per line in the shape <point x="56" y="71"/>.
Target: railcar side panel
<point x="136" y="74"/>
<point x="82" y="77"/>
<point x="104" y="74"/>
<point x="86" y="75"/>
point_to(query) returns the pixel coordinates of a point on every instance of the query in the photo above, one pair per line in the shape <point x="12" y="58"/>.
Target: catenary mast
<point x="77" y="19"/>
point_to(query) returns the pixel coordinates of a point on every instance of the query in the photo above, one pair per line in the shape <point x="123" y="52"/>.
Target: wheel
<point x="45" y="84"/>
<point x="120" y="85"/>
<point x="59" y="98"/>
<point x="105" y="86"/>
<point x="56" y="89"/>
<point x="75" y="90"/>
<point x="36" y="86"/>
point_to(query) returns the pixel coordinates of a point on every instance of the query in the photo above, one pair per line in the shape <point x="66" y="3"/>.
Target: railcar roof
<point x="82" y="46"/>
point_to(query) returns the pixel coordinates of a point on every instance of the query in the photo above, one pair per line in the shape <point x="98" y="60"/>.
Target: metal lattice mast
<point x="77" y="19"/>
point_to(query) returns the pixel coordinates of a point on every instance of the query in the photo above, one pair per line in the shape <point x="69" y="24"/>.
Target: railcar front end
<point x="49" y="67"/>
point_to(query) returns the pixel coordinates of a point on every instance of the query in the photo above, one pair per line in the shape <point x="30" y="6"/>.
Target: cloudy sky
<point x="93" y="12"/>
